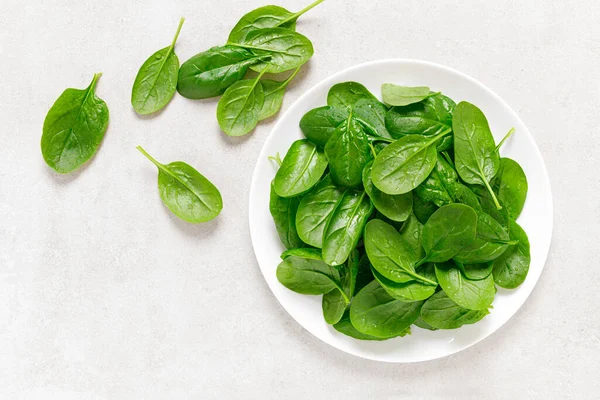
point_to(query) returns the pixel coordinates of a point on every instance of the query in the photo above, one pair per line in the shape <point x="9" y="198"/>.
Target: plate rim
<point x="537" y="154"/>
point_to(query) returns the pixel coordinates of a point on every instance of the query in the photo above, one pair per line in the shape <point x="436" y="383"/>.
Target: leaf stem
<point x="505" y="138"/>
<point x="277" y="159"/>
<point x="439" y="136"/>
<point x="95" y="80"/>
<point x="149" y="157"/>
<point x="297" y="15"/>
<point x="381" y="139"/>
<point x="448" y="159"/>
<point x="487" y="185"/>
<point x="181" y="21"/>
<point x="372" y="149"/>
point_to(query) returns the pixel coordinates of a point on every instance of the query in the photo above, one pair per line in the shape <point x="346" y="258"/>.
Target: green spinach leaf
<point x="440" y="312"/>
<point x="315" y="209"/>
<point x="467" y="293"/>
<point x="345" y="226"/>
<point x="238" y="111"/>
<point x="274" y="91"/>
<point x="308" y="276"/>
<point x="156" y="81"/>
<point x="411" y="232"/>
<point x="345" y="326"/>
<point x="302" y="167"/>
<point x="511" y="186"/>
<point x="411" y="290"/>
<point x="283" y="210"/>
<point x="303" y="252"/>
<point x="335" y="302"/>
<point x="371" y="114"/>
<point x="490" y="242"/>
<point x="395" y="207"/>
<point x="423" y="210"/>
<point x="511" y="268"/>
<point x="186" y="192"/>
<point x="74" y="128"/>
<point x="347" y="94"/>
<point x="475" y="271"/>
<point x="319" y="124"/>
<point x="396" y="95"/>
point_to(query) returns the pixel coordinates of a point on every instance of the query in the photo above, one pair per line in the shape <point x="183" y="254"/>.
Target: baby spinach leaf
<point x="467" y="293"/>
<point x="335" y="302"/>
<point x="511" y="268"/>
<point x="238" y="111"/>
<point x="423" y="210"/>
<point x="283" y="210"/>
<point x="186" y="192"/>
<point x="347" y="94"/>
<point x="440" y="312"/>
<point x="449" y="230"/>
<point x="74" y="128"/>
<point x="489" y="207"/>
<point x="374" y="312"/>
<point x="319" y="124"/>
<point x="420" y="322"/>
<point x="396" y="95"/>
<point x="348" y="152"/>
<point x="267" y="17"/>
<point x="303" y="252"/>
<point x="371" y="114"/>
<point x="408" y="291"/>
<point x="395" y="207"/>
<point x="365" y="276"/>
<point x="411" y="232"/>
<point x="390" y="254"/>
<point x="490" y="242"/>
<point x="475" y="154"/>
<point x="315" y="209"/>
<point x="302" y="168"/>
<point x="210" y="73"/>
<point x="156" y="81"/>
<point x="429" y="118"/>
<point x="307" y="275"/>
<point x="345" y="226"/>
<point x="475" y="271"/>
<point x="274" y="91"/>
<point x="404" y="164"/>
<point x="511" y="186"/>
<point x="287" y="49"/>
<point x="345" y="326"/>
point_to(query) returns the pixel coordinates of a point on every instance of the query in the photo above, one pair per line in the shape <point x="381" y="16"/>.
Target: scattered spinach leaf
<point x="274" y="91"/>
<point x="238" y="111"/>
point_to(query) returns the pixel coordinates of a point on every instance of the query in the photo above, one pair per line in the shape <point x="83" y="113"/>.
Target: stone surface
<point x="106" y="295"/>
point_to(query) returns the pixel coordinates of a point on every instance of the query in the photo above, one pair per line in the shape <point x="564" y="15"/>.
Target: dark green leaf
<point x="283" y="210"/>
<point x="307" y="275"/>
<point x="186" y="192"/>
<point x="408" y="291"/>
<point x="302" y="168"/>
<point x="441" y="312"/>
<point x="347" y="94"/>
<point x="334" y="303"/>
<point x="490" y="242"/>
<point x="303" y="252"/>
<point x="274" y="91"/>
<point x="319" y="124"/>
<point x="346" y="327"/>
<point x="74" y="128"/>
<point x="511" y="186"/>
<point x="411" y="232"/>
<point x="511" y="268"/>
<point x="467" y="293"/>
<point x="476" y="271"/>
<point x="371" y="114"/>
<point x="423" y="210"/>
<point x="395" y="207"/>
<point x="420" y="322"/>
<point x="238" y="111"/>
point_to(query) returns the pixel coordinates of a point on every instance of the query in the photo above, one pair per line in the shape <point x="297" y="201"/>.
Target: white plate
<point x="536" y="218"/>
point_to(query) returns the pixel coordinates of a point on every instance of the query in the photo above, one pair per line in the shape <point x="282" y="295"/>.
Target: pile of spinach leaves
<point x="399" y="212"/>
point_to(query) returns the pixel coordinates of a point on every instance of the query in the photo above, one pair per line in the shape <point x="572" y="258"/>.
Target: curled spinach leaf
<point x="319" y="124"/>
<point x="335" y="302"/>
<point x="186" y="192"/>
<point x="74" y="128"/>
<point x="490" y="242"/>
<point x="345" y="326"/>
<point x="511" y="268"/>
<point x="396" y="95"/>
<point x="471" y="294"/>
<point x="475" y="271"/>
<point x="395" y="207"/>
<point x="302" y="168"/>
<point x="210" y="73"/>
<point x="156" y="81"/>
<point x="440" y="312"/>
<point x="315" y="209"/>
<point x="345" y="226"/>
<point x="283" y="210"/>
<point x="303" y="252"/>
<point x="371" y="114"/>
<point x="411" y="290"/>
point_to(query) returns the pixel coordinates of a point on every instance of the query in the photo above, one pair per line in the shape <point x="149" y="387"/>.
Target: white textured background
<point x="106" y="295"/>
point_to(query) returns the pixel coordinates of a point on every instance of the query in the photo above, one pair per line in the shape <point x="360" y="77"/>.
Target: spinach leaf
<point x="440" y="312"/>
<point x="374" y="312"/>
<point x="315" y="209"/>
<point x="475" y="154"/>
<point x="411" y="290"/>
<point x="347" y="94"/>
<point x="307" y="275"/>
<point x="238" y="111"/>
<point x="371" y="114"/>
<point x="404" y="164"/>
<point x="490" y="242"/>
<point x="449" y="230"/>
<point x="156" y="81"/>
<point x="210" y="73"/>
<point x="511" y="268"/>
<point x="429" y="118"/>
<point x="335" y="302"/>
<point x="287" y="49"/>
<point x="423" y="210"/>
<point x="489" y="207"/>
<point x="390" y="254"/>
<point x="348" y="152"/>
<point x="274" y="91"/>
<point x="267" y="17"/>
<point x="395" y="207"/>
<point x="396" y="95"/>
<point x="319" y="124"/>
<point x="420" y="322"/>
<point x="283" y="210"/>
<point x="411" y="232"/>
<point x="475" y="271"/>
<point x="303" y="252"/>
<point x="302" y="168"/>
<point x="345" y="226"/>
<point x="467" y="293"/>
<point x="511" y="186"/>
<point x="365" y="276"/>
<point x="74" y="128"/>
<point x="186" y="192"/>
<point x="345" y="326"/>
